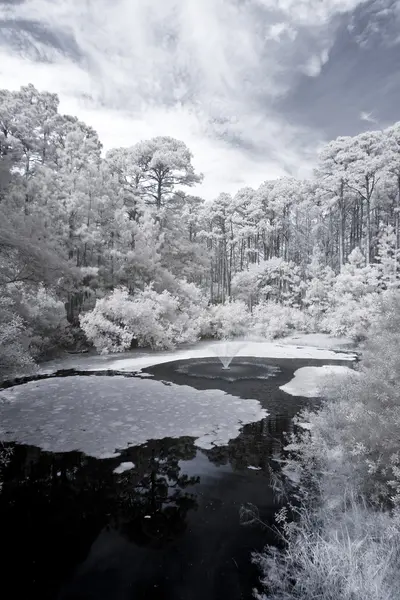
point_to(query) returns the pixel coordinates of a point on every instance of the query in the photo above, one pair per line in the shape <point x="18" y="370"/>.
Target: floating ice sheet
<point x="99" y="415"/>
<point x="307" y="381"/>
<point x="124" y="466"/>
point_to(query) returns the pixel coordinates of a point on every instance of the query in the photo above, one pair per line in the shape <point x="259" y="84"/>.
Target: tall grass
<point x="352" y="556"/>
<point x="345" y="542"/>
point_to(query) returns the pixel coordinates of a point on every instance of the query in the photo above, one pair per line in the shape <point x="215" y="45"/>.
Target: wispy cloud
<point x="210" y="73"/>
<point x="367" y="116"/>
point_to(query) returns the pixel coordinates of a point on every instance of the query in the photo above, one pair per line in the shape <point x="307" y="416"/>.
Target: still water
<point x="154" y="520"/>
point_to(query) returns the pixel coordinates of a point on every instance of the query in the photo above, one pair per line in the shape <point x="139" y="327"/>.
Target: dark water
<point x="169" y="529"/>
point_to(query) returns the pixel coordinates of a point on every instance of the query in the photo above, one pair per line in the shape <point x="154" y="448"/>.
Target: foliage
<point x="352" y="556"/>
<point x="271" y="320"/>
<point x="355" y="433"/>
<point x="318" y="294"/>
<point x="44" y="319"/>
<point x="353" y="299"/>
<point x="227" y="320"/>
<point x="158" y="320"/>
<point x="14" y="353"/>
<point x="75" y="226"/>
<point x="344" y="461"/>
<point x="273" y="279"/>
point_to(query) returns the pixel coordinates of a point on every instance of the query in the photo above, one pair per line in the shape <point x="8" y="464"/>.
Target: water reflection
<point x="255" y="446"/>
<point x="168" y="528"/>
<point x="66" y="518"/>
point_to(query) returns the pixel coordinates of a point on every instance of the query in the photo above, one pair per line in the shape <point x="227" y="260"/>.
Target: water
<point x="226" y="352"/>
<point x="169" y="528"/>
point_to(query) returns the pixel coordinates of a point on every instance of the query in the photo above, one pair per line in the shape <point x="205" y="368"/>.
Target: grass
<point x="344" y="543"/>
<point x="352" y="555"/>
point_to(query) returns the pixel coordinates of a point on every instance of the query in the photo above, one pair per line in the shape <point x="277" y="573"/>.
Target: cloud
<point x="280" y="31"/>
<point x="210" y="73"/>
<point x="313" y="66"/>
<point x="367" y="116"/>
<point x="311" y="12"/>
<point x="379" y="24"/>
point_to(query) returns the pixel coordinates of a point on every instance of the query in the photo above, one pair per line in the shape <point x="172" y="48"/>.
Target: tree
<point x="388" y="257"/>
<point x="332" y="188"/>
<point x="154" y="168"/>
<point x="393" y="167"/>
<point x="319" y="289"/>
<point x="370" y="156"/>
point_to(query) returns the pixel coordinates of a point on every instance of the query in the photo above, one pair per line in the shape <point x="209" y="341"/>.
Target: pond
<point x="122" y="484"/>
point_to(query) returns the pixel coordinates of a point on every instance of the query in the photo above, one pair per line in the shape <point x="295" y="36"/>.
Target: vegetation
<point x="83" y="233"/>
<point x="345" y="542"/>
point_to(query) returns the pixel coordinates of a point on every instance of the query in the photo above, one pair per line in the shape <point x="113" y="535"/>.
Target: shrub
<point x="274" y="280"/>
<point x="354" y="555"/>
<point x="226" y="320"/>
<point x="353" y="299"/>
<point x="271" y="320"/>
<point x="14" y="342"/>
<point x="345" y="466"/>
<point x="351" y="316"/>
<point x="45" y="320"/>
<point x="356" y="431"/>
<point x="318" y="296"/>
<point x="158" y="320"/>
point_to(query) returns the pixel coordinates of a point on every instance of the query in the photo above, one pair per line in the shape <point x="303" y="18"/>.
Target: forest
<point x="112" y="250"/>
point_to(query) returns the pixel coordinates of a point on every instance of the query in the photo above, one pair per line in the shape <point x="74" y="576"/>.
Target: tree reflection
<point x="255" y="445"/>
<point x="152" y="510"/>
<point x="53" y="506"/>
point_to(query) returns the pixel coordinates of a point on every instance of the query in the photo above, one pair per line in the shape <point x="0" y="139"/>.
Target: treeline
<point x="76" y="225"/>
<point x="353" y="196"/>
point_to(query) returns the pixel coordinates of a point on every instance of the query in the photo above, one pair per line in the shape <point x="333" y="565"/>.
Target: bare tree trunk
<point x="368" y="232"/>
<point x="342" y="227"/>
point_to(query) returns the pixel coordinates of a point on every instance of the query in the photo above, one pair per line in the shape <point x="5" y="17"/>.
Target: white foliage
<point x="350" y="316"/>
<point x="274" y="279"/>
<point x="345" y="465"/>
<point x="44" y="316"/>
<point x="158" y="320"/>
<point x="353" y="298"/>
<point x="14" y="354"/>
<point x="271" y="320"/>
<point x="388" y="257"/>
<point x="227" y="320"/>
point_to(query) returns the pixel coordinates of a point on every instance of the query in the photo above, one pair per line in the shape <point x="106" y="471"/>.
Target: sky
<point x="253" y="87"/>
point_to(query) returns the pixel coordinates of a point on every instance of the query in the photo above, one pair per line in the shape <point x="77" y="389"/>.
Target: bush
<point x="356" y="431"/>
<point x="226" y="320"/>
<point x="14" y="342"/>
<point x="318" y="296"/>
<point x="274" y="280"/>
<point x="353" y="299"/>
<point x="271" y="320"/>
<point x="345" y="466"/>
<point x="45" y="320"/>
<point x="158" y="320"/>
<point x="354" y="555"/>
<point x="351" y="317"/>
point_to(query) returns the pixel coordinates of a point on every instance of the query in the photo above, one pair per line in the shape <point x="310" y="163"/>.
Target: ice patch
<point x="318" y="340"/>
<point x="307" y="381"/>
<point x="78" y="413"/>
<point x="254" y="349"/>
<point x="106" y="455"/>
<point x="254" y="468"/>
<point x="124" y="466"/>
<point x="313" y="346"/>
